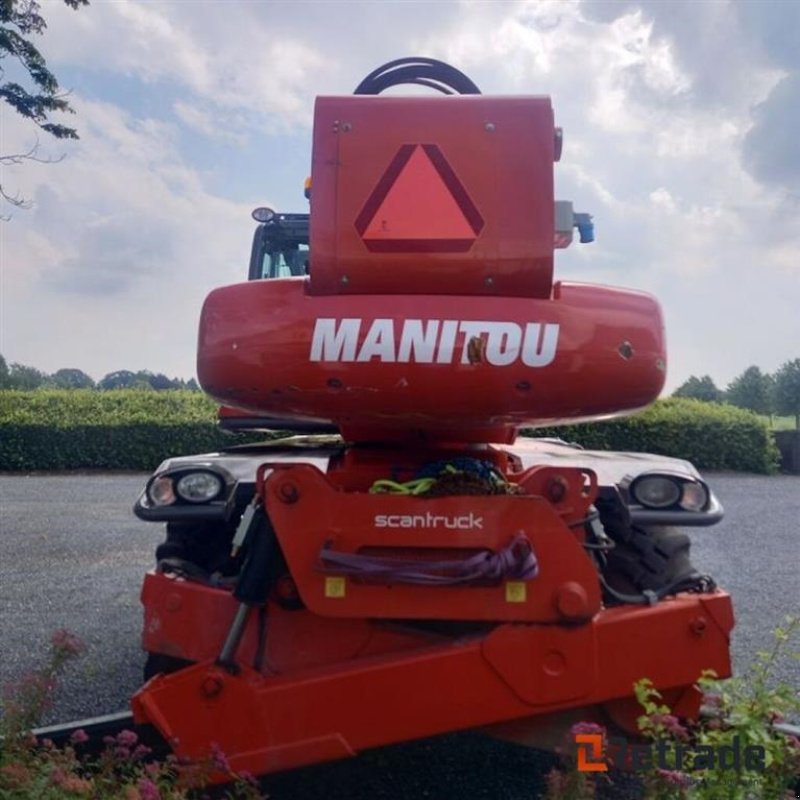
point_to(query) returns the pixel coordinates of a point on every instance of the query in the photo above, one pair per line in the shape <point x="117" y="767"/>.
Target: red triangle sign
<point x="419" y="206"/>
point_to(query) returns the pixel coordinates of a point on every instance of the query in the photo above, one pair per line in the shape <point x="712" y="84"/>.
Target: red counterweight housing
<point x="430" y="310"/>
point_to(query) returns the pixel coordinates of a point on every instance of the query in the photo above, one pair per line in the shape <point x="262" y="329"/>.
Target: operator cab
<point x="280" y="246"/>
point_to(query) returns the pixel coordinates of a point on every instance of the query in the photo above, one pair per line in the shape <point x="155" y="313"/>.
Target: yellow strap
<point x="418" y="486"/>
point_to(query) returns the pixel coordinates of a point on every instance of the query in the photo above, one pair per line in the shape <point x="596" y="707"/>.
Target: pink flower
<point x="670" y="724"/>
<point x="127" y="738"/>
<point x="57" y="776"/>
<point x="148" y="790"/>
<point x="79" y="736"/>
<point x="674" y="778"/>
<point x="219" y="759"/>
<point x="581" y="728"/>
<point x="141" y="751"/>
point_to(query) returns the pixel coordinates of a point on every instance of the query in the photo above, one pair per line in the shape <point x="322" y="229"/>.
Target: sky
<point x="680" y="122"/>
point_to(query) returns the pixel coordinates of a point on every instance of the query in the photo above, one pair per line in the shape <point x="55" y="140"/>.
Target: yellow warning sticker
<point x="516" y="592"/>
<point x="335" y="587"/>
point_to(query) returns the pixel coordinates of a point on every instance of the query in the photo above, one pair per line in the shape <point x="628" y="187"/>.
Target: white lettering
<point x="433" y="341"/>
<point x="539" y="348"/>
<point x="418" y="341"/>
<point x="464" y="522"/>
<point x="504" y="342"/>
<point x="379" y="342"/>
<point x="335" y="344"/>
<point x="447" y="342"/>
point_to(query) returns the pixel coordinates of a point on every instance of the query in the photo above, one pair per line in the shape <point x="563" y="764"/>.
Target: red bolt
<point x="698" y="626"/>
<point x="211" y="686"/>
<point x="572" y="601"/>
<point x="173" y="602"/>
<point x="556" y="489"/>
<point x="288" y="492"/>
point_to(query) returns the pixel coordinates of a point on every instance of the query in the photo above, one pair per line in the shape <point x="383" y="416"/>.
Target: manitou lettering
<point x="465" y="522"/>
<point x="432" y="341"/>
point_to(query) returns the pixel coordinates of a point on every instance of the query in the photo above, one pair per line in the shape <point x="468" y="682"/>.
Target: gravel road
<point x="72" y="555"/>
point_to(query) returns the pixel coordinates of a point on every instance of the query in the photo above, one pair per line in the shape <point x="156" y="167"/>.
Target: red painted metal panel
<point x="475" y="369"/>
<point x="300" y="499"/>
<point x="424" y="195"/>
<point x="268" y="723"/>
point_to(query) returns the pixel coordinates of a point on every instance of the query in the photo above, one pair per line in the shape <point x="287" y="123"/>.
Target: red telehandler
<point x="402" y="564"/>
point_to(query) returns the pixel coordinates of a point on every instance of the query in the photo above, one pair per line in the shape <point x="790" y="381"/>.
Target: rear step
<point x="98" y="728"/>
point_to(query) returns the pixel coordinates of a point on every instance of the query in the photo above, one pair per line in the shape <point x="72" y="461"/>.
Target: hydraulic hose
<point x="420" y="71"/>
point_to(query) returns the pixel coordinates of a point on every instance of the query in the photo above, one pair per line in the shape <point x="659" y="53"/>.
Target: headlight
<point x="668" y="491"/>
<point x="161" y="492"/>
<point x="199" y="487"/>
<point x="694" y="496"/>
<point x="656" y="491"/>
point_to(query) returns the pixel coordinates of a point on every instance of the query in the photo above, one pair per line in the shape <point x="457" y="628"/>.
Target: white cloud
<point x="675" y="116"/>
<point x="229" y="60"/>
<point x="206" y="122"/>
<point x="115" y="258"/>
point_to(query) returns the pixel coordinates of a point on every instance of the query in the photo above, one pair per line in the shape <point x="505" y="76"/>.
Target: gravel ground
<point x="72" y="555"/>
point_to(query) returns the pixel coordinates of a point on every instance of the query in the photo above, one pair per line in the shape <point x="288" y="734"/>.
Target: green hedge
<point x="63" y="408"/>
<point x="52" y="429"/>
<point x="135" y="429"/>
<point x="712" y="436"/>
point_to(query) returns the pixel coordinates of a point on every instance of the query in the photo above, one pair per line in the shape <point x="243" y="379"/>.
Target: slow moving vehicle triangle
<point x="419" y="206"/>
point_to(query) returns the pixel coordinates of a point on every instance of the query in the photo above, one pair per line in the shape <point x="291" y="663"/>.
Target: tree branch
<point x="17" y="199"/>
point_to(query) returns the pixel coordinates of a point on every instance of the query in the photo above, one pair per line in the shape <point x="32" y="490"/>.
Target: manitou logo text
<point x="465" y="522"/>
<point x="434" y="341"/>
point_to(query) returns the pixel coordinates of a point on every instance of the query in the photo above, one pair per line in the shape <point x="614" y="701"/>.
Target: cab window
<point x="285" y="263"/>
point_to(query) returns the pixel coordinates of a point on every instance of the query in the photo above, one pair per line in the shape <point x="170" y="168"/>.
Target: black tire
<point x="651" y="559"/>
<point x="204" y="544"/>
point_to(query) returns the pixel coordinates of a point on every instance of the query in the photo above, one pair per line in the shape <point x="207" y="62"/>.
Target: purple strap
<point x="516" y="561"/>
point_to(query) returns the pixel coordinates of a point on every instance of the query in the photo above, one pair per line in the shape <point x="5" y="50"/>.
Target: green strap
<point x="419" y="486"/>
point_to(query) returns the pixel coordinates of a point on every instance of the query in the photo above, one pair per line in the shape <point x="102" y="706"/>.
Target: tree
<point x="160" y="382"/>
<point x="786" y="392"/>
<point x="752" y="389"/>
<point x="700" y="389"/>
<point x="19" y="21"/>
<point x="22" y="377"/>
<point x="122" y="379"/>
<point x="71" y="379"/>
<point x="4" y="376"/>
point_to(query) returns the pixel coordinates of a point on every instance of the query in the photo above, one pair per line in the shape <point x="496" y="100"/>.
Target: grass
<point x="782" y="423"/>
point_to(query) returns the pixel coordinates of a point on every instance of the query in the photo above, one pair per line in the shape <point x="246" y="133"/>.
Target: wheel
<point x="206" y="545"/>
<point x="654" y="559"/>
